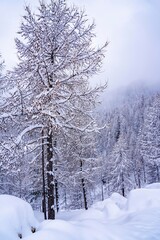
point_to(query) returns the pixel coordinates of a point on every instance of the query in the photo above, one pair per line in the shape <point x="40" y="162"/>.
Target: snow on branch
<point x="28" y="129"/>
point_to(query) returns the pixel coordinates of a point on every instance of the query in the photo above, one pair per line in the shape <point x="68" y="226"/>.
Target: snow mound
<point x="16" y="218"/>
<point x="119" y="200"/>
<point x="108" y="208"/>
<point x="153" y="186"/>
<point x="105" y="220"/>
<point x="111" y="209"/>
<point x="140" y="199"/>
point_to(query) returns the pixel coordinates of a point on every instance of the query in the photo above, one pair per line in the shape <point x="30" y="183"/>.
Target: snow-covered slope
<point x="116" y="218"/>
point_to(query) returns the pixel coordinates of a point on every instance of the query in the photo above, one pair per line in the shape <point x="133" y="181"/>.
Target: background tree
<point x="150" y="139"/>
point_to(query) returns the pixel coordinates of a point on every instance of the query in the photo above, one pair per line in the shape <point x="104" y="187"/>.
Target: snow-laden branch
<point x="28" y="129"/>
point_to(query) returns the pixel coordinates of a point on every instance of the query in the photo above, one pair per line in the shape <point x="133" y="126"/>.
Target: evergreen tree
<point x="150" y="140"/>
<point x="120" y="168"/>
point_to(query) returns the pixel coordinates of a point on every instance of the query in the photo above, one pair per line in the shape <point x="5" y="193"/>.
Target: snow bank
<point x="111" y="207"/>
<point x="153" y="186"/>
<point x="142" y="225"/>
<point x="140" y="199"/>
<point x="16" y="218"/>
<point x="119" y="200"/>
<point x="77" y="230"/>
<point x="108" y="208"/>
<point x="105" y="220"/>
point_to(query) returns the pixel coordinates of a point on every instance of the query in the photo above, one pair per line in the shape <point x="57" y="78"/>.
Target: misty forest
<point x="64" y="144"/>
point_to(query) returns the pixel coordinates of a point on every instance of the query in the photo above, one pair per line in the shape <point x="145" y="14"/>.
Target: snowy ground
<point x="116" y="218"/>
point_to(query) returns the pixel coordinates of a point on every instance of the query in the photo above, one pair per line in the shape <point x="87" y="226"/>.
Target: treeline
<point x="130" y="143"/>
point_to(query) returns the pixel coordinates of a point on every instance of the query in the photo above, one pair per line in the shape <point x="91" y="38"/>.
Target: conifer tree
<point x="57" y="58"/>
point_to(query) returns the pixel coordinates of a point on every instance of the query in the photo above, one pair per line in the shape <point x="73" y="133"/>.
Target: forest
<point x="59" y="147"/>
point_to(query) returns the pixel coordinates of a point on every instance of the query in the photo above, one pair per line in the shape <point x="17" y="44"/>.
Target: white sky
<point x="131" y="26"/>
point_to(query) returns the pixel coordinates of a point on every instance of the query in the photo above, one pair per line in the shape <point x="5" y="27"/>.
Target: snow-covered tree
<point x="126" y="119"/>
<point x="57" y="57"/>
<point x="120" y="168"/>
<point x="150" y="140"/>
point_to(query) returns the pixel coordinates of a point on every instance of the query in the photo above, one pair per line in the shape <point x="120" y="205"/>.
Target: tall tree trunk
<point x="123" y="190"/>
<point x="43" y="179"/>
<point x="139" y="178"/>
<point x="102" y="189"/>
<point x="84" y="194"/>
<point x="50" y="183"/>
<point x="144" y="170"/>
<point x="65" y="198"/>
<point x="56" y="195"/>
<point x="157" y="169"/>
<point x="55" y="180"/>
<point x="83" y="188"/>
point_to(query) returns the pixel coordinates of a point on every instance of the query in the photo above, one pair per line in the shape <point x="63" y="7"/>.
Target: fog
<point x="132" y="28"/>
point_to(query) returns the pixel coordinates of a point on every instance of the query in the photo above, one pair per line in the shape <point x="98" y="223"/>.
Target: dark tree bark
<point x="65" y="198"/>
<point x="84" y="194"/>
<point x="56" y="195"/>
<point x="118" y="132"/>
<point x="102" y="188"/>
<point x="43" y="179"/>
<point x="157" y="169"/>
<point x="55" y="180"/>
<point x="144" y="170"/>
<point x="123" y="190"/>
<point x="83" y="188"/>
<point x="50" y="183"/>
<point x="139" y="178"/>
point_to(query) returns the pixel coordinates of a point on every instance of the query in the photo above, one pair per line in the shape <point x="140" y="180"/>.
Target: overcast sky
<point x="132" y="28"/>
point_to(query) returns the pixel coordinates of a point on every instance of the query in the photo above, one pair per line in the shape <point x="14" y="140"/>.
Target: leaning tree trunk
<point x="50" y="179"/>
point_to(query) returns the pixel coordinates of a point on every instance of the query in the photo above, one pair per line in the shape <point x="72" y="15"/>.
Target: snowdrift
<point x="153" y="186"/>
<point x="112" y="207"/>
<point x="116" y="218"/>
<point x="16" y="218"/>
<point x="140" y="199"/>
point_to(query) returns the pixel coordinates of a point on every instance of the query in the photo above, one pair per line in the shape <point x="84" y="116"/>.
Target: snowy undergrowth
<point x="116" y="218"/>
